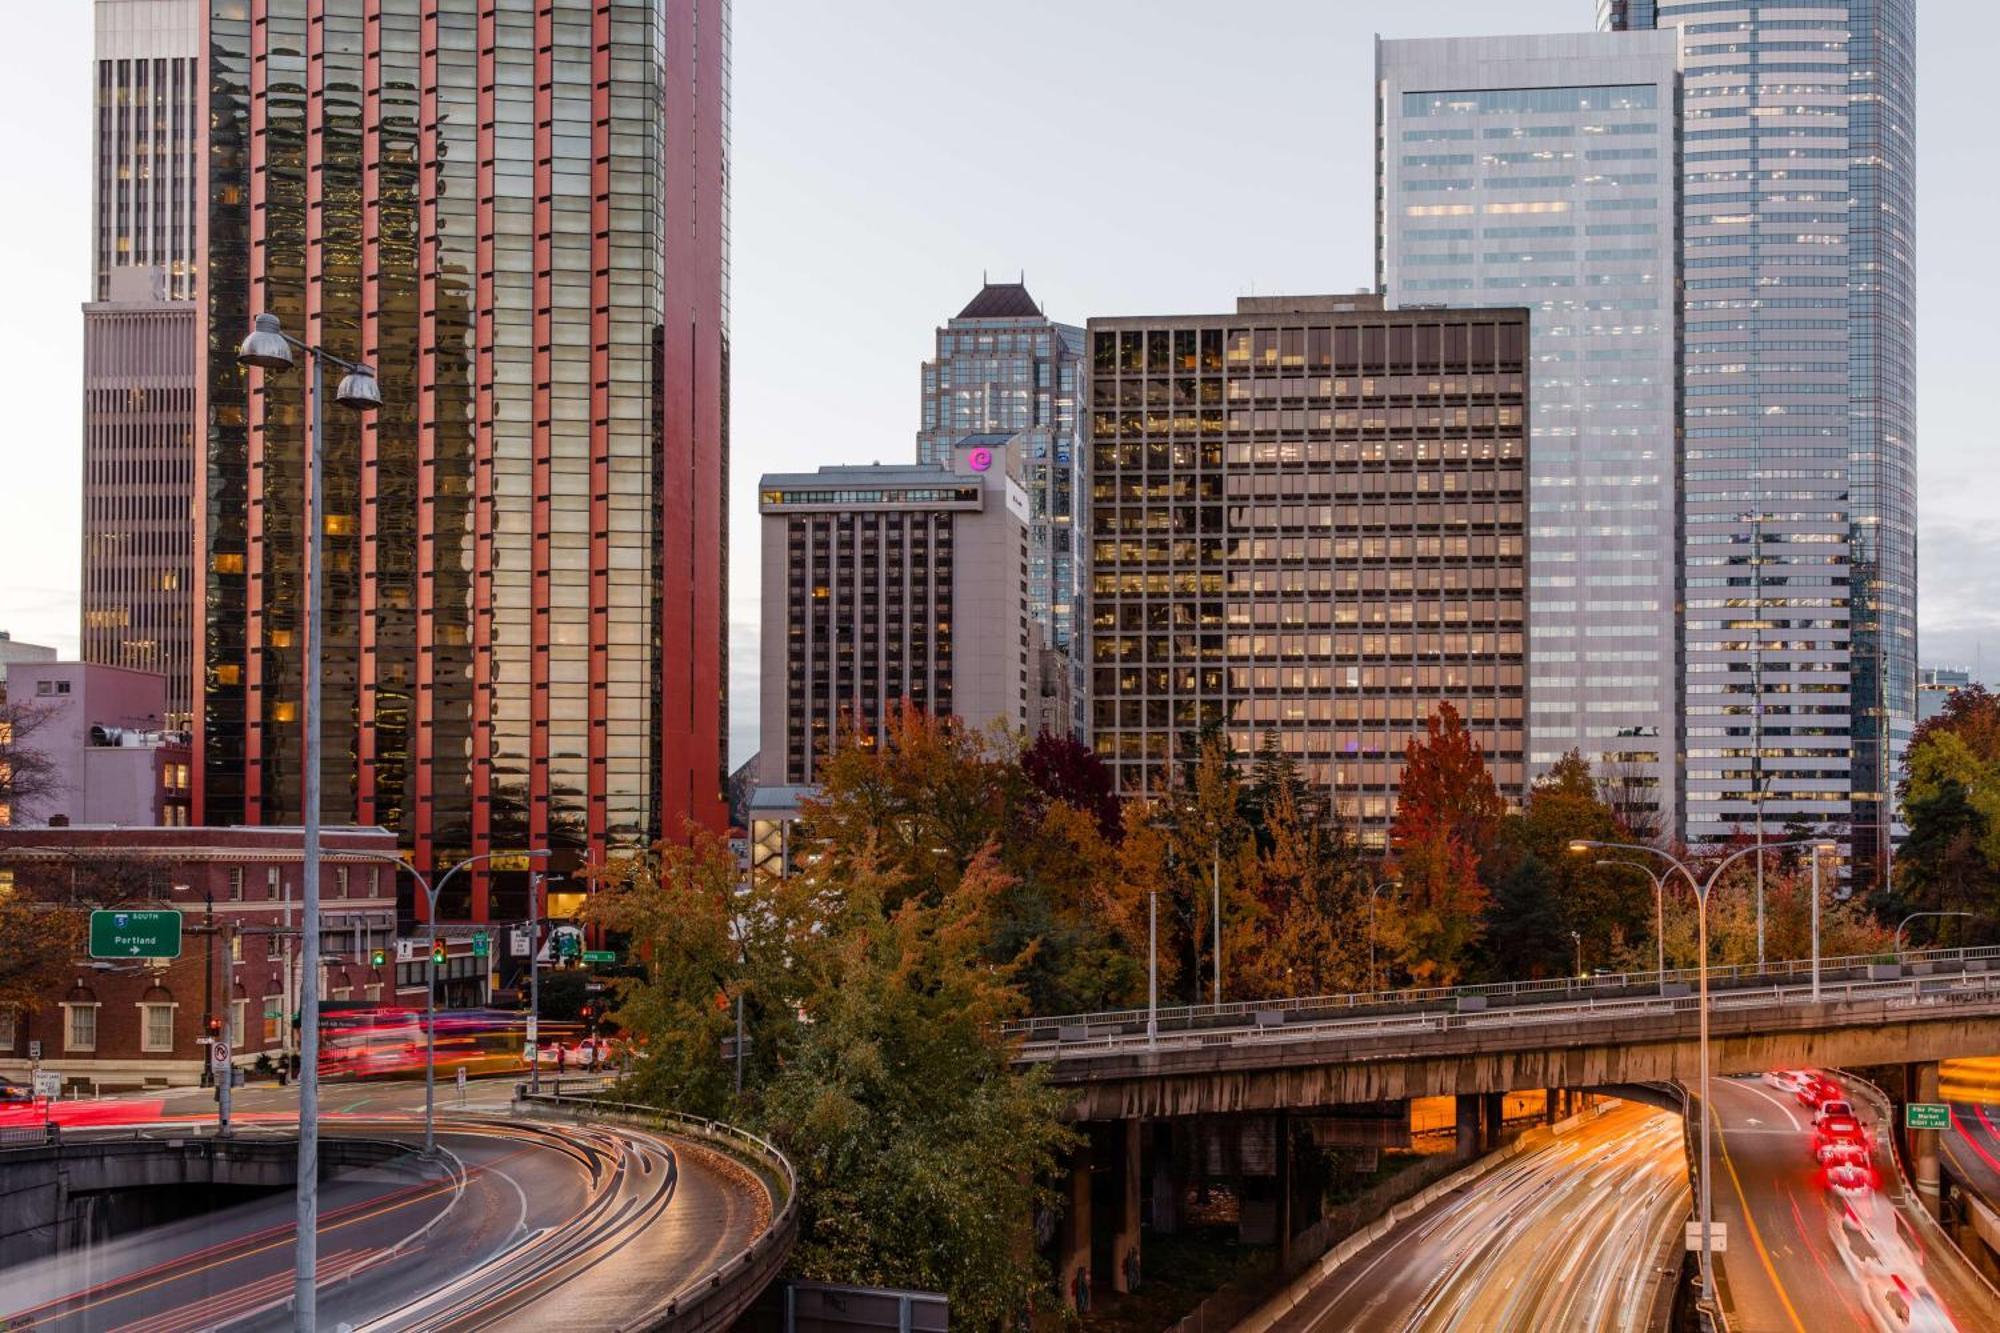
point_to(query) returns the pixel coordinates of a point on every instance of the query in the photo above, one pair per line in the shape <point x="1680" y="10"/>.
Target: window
<point x="156" y="1027"/>
<point x="236" y="883"/>
<point x="340" y="881"/>
<point x="80" y="1027"/>
<point x="236" y="1013"/>
<point x="236" y="948"/>
<point x="7" y="1022"/>
<point x="274" y="1015"/>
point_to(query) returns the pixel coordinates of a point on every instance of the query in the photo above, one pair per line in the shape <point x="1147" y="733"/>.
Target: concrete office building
<point x="112" y="757"/>
<point x="1308" y="520"/>
<point x="1799" y="222"/>
<point x="139" y="345"/>
<point x="1004" y="369"/>
<point x="886" y="583"/>
<point x="14" y="650"/>
<point x="1935" y="686"/>
<point x="518" y="215"/>
<point x="1540" y="171"/>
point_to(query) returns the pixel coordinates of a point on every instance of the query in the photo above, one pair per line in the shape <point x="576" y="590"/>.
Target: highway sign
<point x="599" y="956"/>
<point x="218" y="1054"/>
<point x="1926" y="1115"/>
<point x="135" y="934"/>
<point x="1718" y="1237"/>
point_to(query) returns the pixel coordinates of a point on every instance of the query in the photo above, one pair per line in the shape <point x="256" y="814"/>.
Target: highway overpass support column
<point x="1125" y="1243"/>
<point x="1168" y="1183"/>
<point x="1493" y="1116"/>
<point x="1923" y="1085"/>
<point x="1073" y="1253"/>
<point x="1466" y="1107"/>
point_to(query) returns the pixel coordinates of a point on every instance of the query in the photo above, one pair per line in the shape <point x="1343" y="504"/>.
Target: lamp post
<point x="1702" y="889"/>
<point x="431" y="892"/>
<point x="270" y="348"/>
<point x="1152" y="967"/>
<point x="1912" y="917"/>
<point x="1577" y="940"/>
<point x="1374" y="889"/>
<point x="1659" y="913"/>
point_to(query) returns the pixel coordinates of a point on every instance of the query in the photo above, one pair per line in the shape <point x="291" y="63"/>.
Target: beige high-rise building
<point x="885" y="583"/>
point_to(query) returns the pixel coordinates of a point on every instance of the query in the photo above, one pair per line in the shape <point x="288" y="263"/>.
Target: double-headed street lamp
<point x="1702" y="889"/>
<point x="431" y="892"/>
<point x="1659" y="912"/>
<point x="270" y="348"/>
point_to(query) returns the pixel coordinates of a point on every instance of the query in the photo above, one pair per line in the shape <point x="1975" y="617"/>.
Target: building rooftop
<point x="1002" y="300"/>
<point x="859" y="474"/>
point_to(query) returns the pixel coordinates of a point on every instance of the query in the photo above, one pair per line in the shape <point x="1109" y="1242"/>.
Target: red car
<point x="1816" y="1090"/>
<point x="1840" y="1138"/>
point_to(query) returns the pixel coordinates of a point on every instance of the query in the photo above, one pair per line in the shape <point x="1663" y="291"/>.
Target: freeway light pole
<point x="1374" y="889"/>
<point x="431" y="892"/>
<point x="1912" y="917"/>
<point x="1660" y="912"/>
<point x="1152" y="967"/>
<point x="270" y="348"/>
<point x="1702" y="889"/>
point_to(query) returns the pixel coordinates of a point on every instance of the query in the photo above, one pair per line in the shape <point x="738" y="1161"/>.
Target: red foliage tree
<point x="1447" y="817"/>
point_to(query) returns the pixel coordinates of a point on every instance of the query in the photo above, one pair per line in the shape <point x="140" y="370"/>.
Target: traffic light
<point x="214" y="1028"/>
<point x="378" y="957"/>
<point x="437" y="953"/>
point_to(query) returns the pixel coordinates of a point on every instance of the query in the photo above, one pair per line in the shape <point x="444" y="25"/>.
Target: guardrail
<point x="714" y="1301"/>
<point x="1915" y="991"/>
<point x="1245" y="1013"/>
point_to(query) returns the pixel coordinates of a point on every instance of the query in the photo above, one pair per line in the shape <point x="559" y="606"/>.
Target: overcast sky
<point x="1130" y="156"/>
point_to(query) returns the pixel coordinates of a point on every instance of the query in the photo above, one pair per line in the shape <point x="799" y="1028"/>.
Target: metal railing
<point x="714" y="1300"/>
<point x="1917" y="991"/>
<point x="1244" y="1013"/>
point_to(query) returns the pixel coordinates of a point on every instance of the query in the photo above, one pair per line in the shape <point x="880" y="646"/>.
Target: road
<point x="518" y="1224"/>
<point x="1804" y="1257"/>
<point x="1562" y="1237"/>
<point x="1972" y="1149"/>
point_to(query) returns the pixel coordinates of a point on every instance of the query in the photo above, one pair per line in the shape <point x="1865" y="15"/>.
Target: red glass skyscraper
<point x="516" y="210"/>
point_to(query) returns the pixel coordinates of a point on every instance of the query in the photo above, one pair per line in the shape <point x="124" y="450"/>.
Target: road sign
<point x="135" y="934"/>
<point x="1926" y="1115"/>
<point x="481" y="942"/>
<point x="1718" y="1237"/>
<point x="406" y="951"/>
<point x="34" y="1050"/>
<point x="218" y="1054"/>
<point x="599" y="956"/>
<point x="533" y="1031"/>
<point x="47" y="1084"/>
<point x="517" y="941"/>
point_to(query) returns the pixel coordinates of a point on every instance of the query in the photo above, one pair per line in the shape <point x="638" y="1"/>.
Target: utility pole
<point x="208" y="983"/>
<point x="1216" y="883"/>
<point x="535" y="981"/>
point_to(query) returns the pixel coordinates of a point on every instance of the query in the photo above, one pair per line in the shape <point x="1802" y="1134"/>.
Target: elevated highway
<point x="614" y="1218"/>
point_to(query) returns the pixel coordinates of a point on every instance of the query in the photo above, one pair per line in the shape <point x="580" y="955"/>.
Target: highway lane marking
<point x="1750" y="1221"/>
<point x="282" y="1236"/>
<point x="1772" y="1098"/>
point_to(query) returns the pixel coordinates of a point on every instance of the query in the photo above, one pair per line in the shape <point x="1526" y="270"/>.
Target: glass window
<point x="156" y="1027"/>
<point x="80" y="1027"/>
<point x="236" y="1018"/>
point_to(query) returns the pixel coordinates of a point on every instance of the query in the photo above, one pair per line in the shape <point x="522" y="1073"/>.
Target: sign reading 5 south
<point x="117" y="934"/>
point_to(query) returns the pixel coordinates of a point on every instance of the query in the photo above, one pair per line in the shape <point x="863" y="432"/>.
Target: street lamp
<point x="1374" y="889"/>
<point x="431" y="893"/>
<point x="1577" y="940"/>
<point x="1659" y="912"/>
<point x="1912" y="917"/>
<point x="1701" y="892"/>
<point x="270" y="348"/>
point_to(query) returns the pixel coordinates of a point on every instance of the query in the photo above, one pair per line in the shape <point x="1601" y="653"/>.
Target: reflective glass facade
<point x="1541" y="171"/>
<point x="1308" y="519"/>
<point x="516" y="213"/>
<point x="1800" y="195"/>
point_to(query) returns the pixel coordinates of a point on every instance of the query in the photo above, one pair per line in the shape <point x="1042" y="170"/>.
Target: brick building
<point x="127" y="1025"/>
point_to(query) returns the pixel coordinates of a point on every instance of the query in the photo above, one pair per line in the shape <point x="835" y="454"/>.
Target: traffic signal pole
<point x="535" y="982"/>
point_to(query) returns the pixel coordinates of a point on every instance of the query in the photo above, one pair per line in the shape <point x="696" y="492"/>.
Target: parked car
<point x="10" y="1091"/>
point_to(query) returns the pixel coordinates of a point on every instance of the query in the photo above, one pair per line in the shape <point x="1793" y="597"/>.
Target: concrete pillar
<point x="1284" y="1132"/>
<point x="1549" y="1113"/>
<point x="1073" y="1253"/>
<point x="1169" y="1185"/>
<point x="1493" y="1116"/>
<point x="1125" y="1242"/>
<point x="1466" y="1106"/>
<point x="1924" y="1142"/>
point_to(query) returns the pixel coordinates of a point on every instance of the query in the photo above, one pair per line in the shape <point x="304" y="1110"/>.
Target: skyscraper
<point x="139" y="346"/>
<point x="1308" y="522"/>
<point x="1540" y="171"/>
<point x="1799" y="162"/>
<point x="518" y="215"/>
<point x="1004" y="368"/>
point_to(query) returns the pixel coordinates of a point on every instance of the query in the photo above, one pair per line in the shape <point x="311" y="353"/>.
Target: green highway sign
<point x="1926" y="1115"/>
<point x="479" y="944"/>
<point x="599" y="956"/>
<point x="117" y="934"/>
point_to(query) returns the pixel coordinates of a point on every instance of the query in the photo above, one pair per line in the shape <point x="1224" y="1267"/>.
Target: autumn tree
<point x="1950" y="860"/>
<point x="1448" y="813"/>
<point x="1062" y="769"/>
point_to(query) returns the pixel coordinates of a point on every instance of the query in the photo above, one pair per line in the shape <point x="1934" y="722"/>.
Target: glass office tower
<point x="518" y="215"/>
<point x="1540" y="171"/>
<point x="1799" y="158"/>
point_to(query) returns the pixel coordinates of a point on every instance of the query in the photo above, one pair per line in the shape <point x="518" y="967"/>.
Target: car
<point x="1849" y="1178"/>
<point x="10" y="1091"/>
<point x="1831" y="1108"/>
<point x="1816" y="1089"/>
<point x="1840" y="1138"/>
<point x="1787" y="1080"/>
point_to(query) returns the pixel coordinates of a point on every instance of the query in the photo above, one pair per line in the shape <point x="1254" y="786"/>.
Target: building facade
<point x="885" y="584"/>
<point x="113" y="759"/>
<point x="1004" y="370"/>
<point x="115" y="1026"/>
<point x="518" y="215"/>
<point x="1308" y="521"/>
<point x="1541" y="171"/>
<point x="1799" y="219"/>
<point x="1935" y="686"/>
<point x="139" y="341"/>
<point x="14" y="650"/>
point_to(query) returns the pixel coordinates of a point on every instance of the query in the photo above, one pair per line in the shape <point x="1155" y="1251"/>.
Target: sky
<point x="1126" y="156"/>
